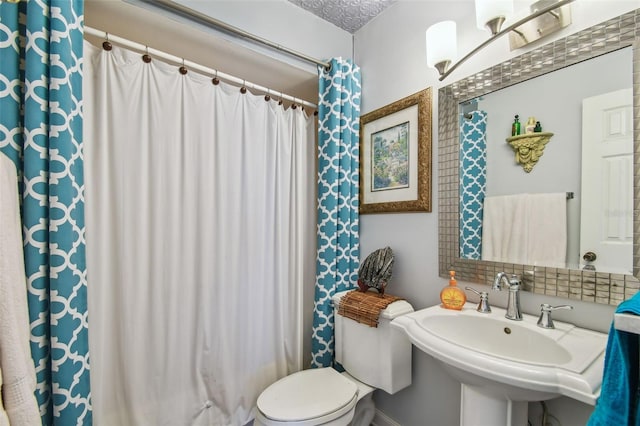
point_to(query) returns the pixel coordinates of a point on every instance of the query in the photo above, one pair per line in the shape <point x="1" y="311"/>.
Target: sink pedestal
<point x="479" y="407"/>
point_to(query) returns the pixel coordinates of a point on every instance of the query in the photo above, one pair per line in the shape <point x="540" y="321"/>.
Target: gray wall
<point x="391" y="53"/>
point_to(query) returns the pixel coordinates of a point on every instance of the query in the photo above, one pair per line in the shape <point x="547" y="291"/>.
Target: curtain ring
<point x="183" y="69"/>
<point x="215" y="80"/>
<point x="243" y="89"/>
<point x="267" y="97"/>
<point x="293" y="105"/>
<point x="146" y="58"/>
<point x="106" y="45"/>
<point x="280" y="99"/>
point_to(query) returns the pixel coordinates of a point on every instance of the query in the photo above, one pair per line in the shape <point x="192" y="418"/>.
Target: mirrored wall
<point x="523" y="85"/>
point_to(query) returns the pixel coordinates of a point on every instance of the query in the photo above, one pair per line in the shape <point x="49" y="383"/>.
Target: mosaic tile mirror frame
<point x="590" y="286"/>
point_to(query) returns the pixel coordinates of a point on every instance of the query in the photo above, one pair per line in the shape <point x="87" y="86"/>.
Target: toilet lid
<point x="306" y="395"/>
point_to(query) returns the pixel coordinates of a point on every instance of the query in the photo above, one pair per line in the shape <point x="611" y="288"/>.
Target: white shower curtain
<point x="200" y="238"/>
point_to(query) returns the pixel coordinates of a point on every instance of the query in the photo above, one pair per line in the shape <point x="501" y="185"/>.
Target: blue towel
<point x="618" y="401"/>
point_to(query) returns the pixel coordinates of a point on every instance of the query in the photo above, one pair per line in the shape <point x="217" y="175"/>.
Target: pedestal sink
<point x="503" y="364"/>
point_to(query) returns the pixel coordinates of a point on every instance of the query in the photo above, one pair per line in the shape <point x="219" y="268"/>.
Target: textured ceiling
<point x="349" y="15"/>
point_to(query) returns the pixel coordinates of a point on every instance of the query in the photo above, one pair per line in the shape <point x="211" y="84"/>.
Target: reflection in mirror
<point x="510" y="215"/>
<point x="564" y="56"/>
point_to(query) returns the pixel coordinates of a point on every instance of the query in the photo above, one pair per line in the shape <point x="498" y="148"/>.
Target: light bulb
<point x="441" y="45"/>
<point x="492" y="13"/>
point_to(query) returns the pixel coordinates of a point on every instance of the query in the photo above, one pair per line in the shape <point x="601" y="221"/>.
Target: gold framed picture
<point x="395" y="156"/>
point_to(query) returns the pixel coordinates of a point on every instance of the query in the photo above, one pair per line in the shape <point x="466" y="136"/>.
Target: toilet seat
<point x="309" y="397"/>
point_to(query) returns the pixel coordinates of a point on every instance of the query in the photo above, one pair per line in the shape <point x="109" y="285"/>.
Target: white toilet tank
<point x="379" y="357"/>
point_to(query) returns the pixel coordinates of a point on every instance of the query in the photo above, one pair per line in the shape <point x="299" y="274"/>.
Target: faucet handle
<point x="545" y="320"/>
<point x="483" y="305"/>
<point x="514" y="281"/>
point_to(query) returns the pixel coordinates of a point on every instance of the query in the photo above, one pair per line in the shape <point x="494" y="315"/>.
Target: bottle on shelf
<point x="538" y="127"/>
<point x="531" y="125"/>
<point x="515" y="127"/>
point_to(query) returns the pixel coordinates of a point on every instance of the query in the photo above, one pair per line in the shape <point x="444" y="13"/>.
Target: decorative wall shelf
<point x="529" y="148"/>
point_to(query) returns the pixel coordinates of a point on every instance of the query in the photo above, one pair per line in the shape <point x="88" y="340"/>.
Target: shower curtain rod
<point x="194" y="66"/>
<point x="217" y="24"/>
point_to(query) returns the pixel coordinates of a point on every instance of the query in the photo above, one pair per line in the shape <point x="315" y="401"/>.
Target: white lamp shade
<point x="486" y="10"/>
<point x="441" y="43"/>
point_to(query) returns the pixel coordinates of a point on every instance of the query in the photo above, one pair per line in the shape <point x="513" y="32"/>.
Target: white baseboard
<point x="381" y="419"/>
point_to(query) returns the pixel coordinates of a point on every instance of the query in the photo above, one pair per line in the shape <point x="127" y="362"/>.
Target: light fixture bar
<point x="505" y="31"/>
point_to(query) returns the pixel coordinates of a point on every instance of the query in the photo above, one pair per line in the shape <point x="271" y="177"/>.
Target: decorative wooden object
<point x="529" y="148"/>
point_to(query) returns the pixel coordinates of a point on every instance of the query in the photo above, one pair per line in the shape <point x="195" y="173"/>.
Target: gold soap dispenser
<point x="452" y="297"/>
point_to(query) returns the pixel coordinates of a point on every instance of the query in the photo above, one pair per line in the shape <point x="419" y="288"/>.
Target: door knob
<point x="589" y="256"/>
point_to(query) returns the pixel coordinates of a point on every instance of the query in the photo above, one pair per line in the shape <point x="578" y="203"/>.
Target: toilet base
<point x="365" y="411"/>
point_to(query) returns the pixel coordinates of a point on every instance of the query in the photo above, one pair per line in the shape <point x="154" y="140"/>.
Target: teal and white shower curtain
<point x="473" y="182"/>
<point x="41" y="48"/>
<point x="338" y="184"/>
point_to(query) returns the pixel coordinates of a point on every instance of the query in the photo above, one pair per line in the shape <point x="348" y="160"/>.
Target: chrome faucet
<point x="513" y="302"/>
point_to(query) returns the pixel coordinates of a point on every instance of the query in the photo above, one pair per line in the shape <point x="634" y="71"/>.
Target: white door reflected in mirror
<point x="606" y="222"/>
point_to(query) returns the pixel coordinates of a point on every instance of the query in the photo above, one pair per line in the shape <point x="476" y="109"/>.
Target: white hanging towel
<point x="547" y="242"/>
<point x="19" y="405"/>
<point x="504" y="229"/>
<point x="529" y="229"/>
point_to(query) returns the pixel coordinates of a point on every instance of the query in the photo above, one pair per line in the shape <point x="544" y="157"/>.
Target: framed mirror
<point x="572" y="280"/>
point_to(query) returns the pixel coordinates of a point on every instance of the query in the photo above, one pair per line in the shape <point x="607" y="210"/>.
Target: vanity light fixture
<point x="545" y="17"/>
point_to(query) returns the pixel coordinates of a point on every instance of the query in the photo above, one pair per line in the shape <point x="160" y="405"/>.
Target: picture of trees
<point x="395" y="156"/>
<point x="390" y="158"/>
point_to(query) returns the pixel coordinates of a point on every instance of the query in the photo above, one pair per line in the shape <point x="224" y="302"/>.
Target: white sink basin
<point x="512" y="360"/>
<point x="489" y="335"/>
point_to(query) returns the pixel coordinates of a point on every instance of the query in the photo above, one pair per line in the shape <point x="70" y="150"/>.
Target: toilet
<point x="373" y="358"/>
